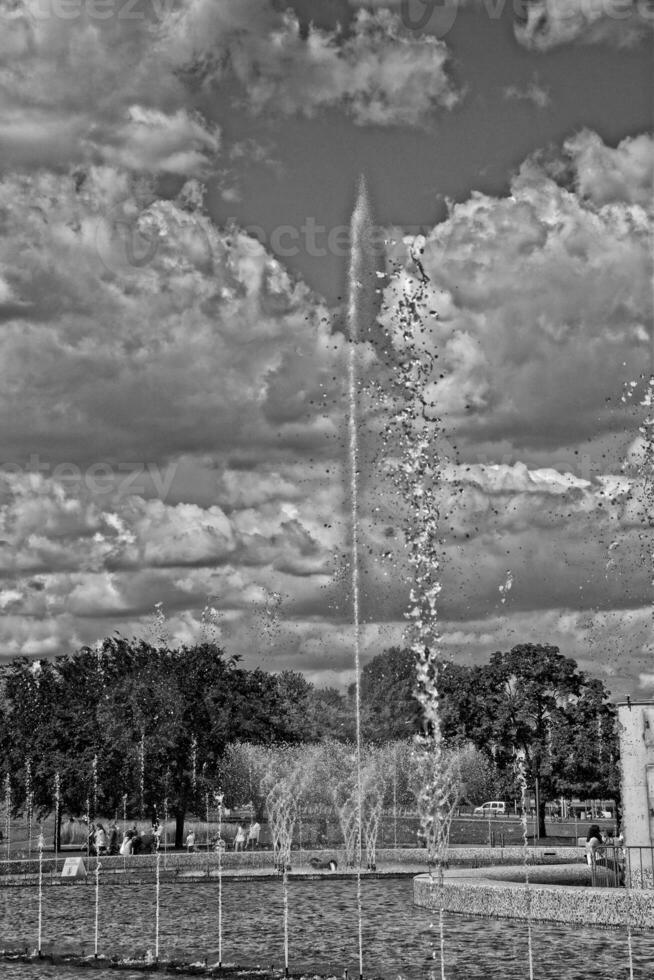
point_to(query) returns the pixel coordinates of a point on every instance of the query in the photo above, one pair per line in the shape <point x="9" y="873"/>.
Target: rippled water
<point x="397" y="935"/>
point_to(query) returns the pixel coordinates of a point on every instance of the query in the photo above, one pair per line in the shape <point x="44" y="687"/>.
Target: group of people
<point x="242" y="840"/>
<point x="102" y="842"/>
<point x="596" y="852"/>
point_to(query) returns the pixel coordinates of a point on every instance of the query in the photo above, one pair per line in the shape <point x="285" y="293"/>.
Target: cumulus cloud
<point x="544" y="24"/>
<point x="149" y="330"/>
<point x="87" y="88"/>
<point x="605" y="174"/>
<point x="532" y="294"/>
<point x="378" y="72"/>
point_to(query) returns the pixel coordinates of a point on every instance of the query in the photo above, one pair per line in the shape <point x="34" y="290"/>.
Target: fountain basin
<point x="502" y="893"/>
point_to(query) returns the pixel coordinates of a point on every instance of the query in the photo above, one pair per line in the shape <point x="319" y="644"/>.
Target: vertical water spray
<point x="41" y="844"/>
<point x="97" y="907"/>
<point x="165" y="830"/>
<point x="57" y="802"/>
<point x="417" y="481"/>
<point x="124" y="826"/>
<point x="157" y="897"/>
<point x="95" y="786"/>
<point x="361" y="285"/>
<point x="8" y="814"/>
<point x="522" y="781"/>
<point x="142" y="776"/>
<point x="28" y="806"/>
<point x="219" y="800"/>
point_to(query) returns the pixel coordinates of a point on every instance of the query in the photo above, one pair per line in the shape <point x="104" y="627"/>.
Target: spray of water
<point x="97" y="909"/>
<point x="142" y="776"/>
<point x="57" y="802"/>
<point x="361" y="278"/>
<point x="28" y="806"/>
<point x="416" y="429"/>
<point x="521" y="774"/>
<point x="124" y="825"/>
<point x="8" y="814"/>
<point x="157" y="897"/>
<point x="95" y="786"/>
<point x="194" y="764"/>
<point x="281" y="805"/>
<point x="219" y="802"/>
<point x="41" y="845"/>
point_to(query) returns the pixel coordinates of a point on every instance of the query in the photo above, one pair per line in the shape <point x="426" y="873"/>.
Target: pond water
<point x="398" y="936"/>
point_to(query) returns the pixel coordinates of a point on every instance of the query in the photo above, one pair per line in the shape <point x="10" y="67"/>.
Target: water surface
<point x="398" y="938"/>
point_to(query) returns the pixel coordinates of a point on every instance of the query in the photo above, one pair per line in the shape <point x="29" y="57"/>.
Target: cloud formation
<point x="378" y="72"/>
<point x="545" y="24"/>
<point x="532" y="294"/>
<point x="175" y="419"/>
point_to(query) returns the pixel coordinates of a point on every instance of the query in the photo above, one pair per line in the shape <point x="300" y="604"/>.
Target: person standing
<point x="594" y="844"/>
<point x="253" y="835"/>
<point x="239" y="840"/>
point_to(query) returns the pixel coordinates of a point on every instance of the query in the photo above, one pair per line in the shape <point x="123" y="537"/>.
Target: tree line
<point x="123" y="727"/>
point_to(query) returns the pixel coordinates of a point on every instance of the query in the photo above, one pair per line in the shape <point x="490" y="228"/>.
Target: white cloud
<point x="605" y="174"/>
<point x="545" y="24"/>
<point x="533" y="92"/>
<point x="379" y="73"/>
<point x="535" y="293"/>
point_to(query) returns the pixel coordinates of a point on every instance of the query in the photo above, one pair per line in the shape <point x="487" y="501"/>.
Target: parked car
<point x="494" y="808"/>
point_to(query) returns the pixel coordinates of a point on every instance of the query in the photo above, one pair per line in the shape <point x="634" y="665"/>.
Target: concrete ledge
<point x="476" y="893"/>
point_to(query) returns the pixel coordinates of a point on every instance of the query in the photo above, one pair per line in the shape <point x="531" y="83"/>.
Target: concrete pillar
<point x="636" y="733"/>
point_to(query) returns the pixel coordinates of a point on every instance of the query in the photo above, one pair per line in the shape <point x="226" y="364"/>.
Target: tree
<point x="135" y="721"/>
<point x="389" y="707"/>
<point x="540" y="704"/>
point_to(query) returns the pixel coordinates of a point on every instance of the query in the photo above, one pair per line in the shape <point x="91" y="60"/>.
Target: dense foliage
<point x="530" y="700"/>
<point x="133" y="725"/>
<point x="130" y="725"/>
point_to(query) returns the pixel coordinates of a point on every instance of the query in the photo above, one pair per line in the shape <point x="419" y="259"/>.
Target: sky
<point x="176" y="184"/>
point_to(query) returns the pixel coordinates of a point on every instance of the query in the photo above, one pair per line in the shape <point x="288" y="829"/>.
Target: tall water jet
<point x="95" y="786"/>
<point x="157" y="897"/>
<point x="219" y="800"/>
<point x="41" y="844"/>
<point x="97" y="907"/>
<point x="522" y="781"/>
<point x="142" y="776"/>
<point x="57" y="803"/>
<point x="28" y="806"/>
<point x="361" y="293"/>
<point x="417" y="481"/>
<point x="8" y="814"/>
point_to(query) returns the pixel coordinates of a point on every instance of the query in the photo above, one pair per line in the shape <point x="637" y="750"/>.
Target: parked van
<point x="494" y="808"/>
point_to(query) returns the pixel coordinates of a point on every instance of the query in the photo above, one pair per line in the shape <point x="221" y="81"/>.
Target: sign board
<point x="73" y="868"/>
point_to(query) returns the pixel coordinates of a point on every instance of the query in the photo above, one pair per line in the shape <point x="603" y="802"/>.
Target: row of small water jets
<point x="287" y="777"/>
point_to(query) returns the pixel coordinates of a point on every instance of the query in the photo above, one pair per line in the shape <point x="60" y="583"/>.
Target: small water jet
<point x="41" y="845"/>
<point x="8" y="814"/>
<point x="522" y="781"/>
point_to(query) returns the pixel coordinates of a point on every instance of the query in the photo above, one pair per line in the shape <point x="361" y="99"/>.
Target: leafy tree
<point x="539" y="703"/>
<point x="389" y="708"/>
<point x="130" y="719"/>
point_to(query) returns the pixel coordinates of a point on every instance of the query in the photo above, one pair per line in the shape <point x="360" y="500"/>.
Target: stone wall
<point x="549" y="903"/>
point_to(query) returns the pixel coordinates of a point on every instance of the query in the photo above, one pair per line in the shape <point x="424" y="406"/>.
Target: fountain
<point x="358" y="796"/>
